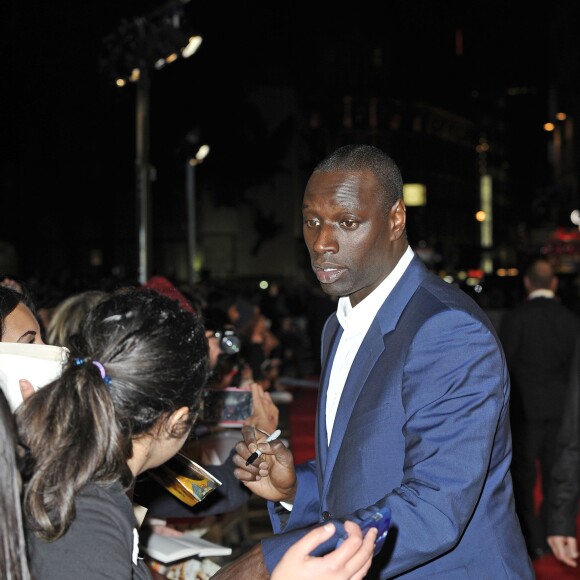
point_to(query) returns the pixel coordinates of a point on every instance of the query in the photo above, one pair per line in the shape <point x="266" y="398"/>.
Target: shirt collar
<point x="366" y="309"/>
<point x="541" y="293"/>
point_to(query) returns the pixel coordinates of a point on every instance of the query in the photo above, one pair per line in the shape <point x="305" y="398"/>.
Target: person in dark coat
<point x="538" y="337"/>
<point x="562" y="503"/>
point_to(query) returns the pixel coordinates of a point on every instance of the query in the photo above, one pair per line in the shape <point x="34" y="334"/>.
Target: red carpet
<point x="302" y="418"/>
<point x="548" y="568"/>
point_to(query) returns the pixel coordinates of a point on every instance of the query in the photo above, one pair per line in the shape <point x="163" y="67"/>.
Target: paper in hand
<point x="38" y="363"/>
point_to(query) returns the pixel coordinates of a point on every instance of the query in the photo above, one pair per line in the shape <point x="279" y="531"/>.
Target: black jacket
<point x="565" y="482"/>
<point x="538" y="339"/>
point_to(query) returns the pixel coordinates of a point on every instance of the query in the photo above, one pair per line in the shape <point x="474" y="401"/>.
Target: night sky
<point x="68" y="134"/>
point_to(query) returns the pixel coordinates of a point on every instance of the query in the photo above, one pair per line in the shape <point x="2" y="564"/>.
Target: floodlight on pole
<point x="147" y="43"/>
<point x="200" y="155"/>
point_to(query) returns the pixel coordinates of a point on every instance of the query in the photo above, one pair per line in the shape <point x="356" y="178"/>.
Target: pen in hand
<point x="257" y="453"/>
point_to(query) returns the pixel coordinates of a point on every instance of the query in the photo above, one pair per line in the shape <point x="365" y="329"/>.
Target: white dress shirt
<point x="356" y="322"/>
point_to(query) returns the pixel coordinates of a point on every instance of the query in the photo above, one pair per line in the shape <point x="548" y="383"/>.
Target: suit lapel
<point x="369" y="351"/>
<point x="371" y="348"/>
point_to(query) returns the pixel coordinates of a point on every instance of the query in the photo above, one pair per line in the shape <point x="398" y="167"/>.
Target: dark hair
<point x="80" y="428"/>
<point x="9" y="300"/>
<point x="368" y="158"/>
<point x="13" y="563"/>
<point x="540" y="273"/>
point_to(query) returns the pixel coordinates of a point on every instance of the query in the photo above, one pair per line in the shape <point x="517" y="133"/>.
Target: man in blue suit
<point x="413" y="405"/>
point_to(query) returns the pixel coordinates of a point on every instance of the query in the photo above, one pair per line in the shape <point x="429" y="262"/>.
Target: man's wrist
<point x="249" y="566"/>
<point x="289" y="497"/>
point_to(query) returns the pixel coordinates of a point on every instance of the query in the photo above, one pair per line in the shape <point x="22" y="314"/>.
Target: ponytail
<point x="71" y="431"/>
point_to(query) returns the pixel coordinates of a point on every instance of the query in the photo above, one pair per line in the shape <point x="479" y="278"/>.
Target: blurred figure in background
<point x="68" y="315"/>
<point x="259" y="349"/>
<point x="273" y="305"/>
<point x="564" y="489"/>
<point x="538" y="338"/>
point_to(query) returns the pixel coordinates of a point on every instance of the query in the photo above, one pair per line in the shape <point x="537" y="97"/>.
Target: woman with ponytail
<point x="125" y="402"/>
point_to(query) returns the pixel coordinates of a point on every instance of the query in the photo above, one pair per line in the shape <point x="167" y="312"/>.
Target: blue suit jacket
<point x="422" y="427"/>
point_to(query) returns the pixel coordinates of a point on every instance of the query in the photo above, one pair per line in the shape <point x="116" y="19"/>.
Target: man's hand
<point x="565" y="549"/>
<point x="272" y="476"/>
<point x="250" y="566"/>
<point x="350" y="561"/>
<point x="265" y="413"/>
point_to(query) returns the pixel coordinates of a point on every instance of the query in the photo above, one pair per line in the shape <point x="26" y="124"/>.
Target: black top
<point x="564" y="490"/>
<point x="101" y="543"/>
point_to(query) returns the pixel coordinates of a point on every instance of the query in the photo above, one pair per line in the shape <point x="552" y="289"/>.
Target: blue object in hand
<point x="380" y="519"/>
<point x="333" y="542"/>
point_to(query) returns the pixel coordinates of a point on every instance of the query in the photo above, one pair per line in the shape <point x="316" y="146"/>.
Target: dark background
<point x="67" y="136"/>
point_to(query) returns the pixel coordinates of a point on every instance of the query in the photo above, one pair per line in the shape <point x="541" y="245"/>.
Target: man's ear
<point x="398" y="214"/>
<point x="178" y="422"/>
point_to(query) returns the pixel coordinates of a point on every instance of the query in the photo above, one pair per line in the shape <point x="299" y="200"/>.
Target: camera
<point x="229" y="341"/>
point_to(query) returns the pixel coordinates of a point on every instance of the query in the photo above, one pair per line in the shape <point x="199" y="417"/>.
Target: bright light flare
<point x="192" y="46"/>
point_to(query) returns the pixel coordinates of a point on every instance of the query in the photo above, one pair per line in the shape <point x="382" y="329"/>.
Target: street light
<point x="147" y="43"/>
<point x="190" y="166"/>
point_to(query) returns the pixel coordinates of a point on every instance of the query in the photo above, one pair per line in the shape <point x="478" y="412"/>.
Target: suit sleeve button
<point x="326" y="516"/>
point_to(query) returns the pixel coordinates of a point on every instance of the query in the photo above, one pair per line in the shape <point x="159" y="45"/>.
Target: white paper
<point x="168" y="549"/>
<point x="38" y="363"/>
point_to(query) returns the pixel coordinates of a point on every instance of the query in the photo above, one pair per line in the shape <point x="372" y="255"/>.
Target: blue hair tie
<point x="106" y="378"/>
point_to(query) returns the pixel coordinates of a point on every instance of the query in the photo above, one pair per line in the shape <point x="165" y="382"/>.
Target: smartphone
<point x="226" y="407"/>
<point x="380" y="519"/>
